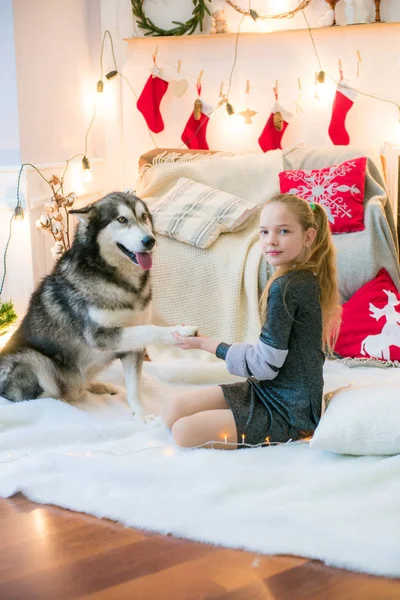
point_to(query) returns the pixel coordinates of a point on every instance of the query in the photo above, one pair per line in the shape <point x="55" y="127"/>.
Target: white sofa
<point x="218" y="288"/>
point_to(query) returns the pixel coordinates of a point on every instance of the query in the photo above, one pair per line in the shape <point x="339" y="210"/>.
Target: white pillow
<point x="361" y="420"/>
<point x="197" y="214"/>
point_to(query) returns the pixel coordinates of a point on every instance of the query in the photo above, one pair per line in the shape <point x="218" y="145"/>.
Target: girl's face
<point x="283" y="240"/>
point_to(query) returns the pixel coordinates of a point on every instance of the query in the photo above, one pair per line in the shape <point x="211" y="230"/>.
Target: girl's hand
<point x="200" y="342"/>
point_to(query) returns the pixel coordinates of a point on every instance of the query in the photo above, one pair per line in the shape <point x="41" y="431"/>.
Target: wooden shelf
<point x="197" y="36"/>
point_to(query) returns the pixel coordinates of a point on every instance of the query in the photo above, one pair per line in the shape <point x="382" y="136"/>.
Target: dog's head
<point x="121" y="225"/>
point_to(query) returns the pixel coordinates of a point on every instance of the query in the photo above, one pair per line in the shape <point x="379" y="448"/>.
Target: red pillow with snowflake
<point x="371" y="321"/>
<point x="338" y="189"/>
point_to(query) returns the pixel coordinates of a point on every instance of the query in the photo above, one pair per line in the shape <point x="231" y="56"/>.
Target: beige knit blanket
<point x="216" y="288"/>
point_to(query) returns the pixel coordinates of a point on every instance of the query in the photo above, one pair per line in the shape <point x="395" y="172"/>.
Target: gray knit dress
<point x="282" y="397"/>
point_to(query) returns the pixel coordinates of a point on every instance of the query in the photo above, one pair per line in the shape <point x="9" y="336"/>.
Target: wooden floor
<point x="47" y="553"/>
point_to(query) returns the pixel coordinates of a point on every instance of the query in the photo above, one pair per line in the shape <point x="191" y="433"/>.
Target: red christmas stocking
<point x="149" y="102"/>
<point x="194" y="134"/>
<point x="344" y="100"/>
<point x="271" y="137"/>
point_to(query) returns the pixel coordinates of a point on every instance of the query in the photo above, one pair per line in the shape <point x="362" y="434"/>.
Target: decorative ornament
<point x="357" y="11"/>
<point x="343" y="101"/>
<point x="150" y="98"/>
<point x="255" y="15"/>
<point x="187" y="28"/>
<point x="378" y="11"/>
<point x="178" y="87"/>
<point x="197" y="109"/>
<point x="248" y="114"/>
<point x="218" y="22"/>
<point x="56" y="218"/>
<point x="194" y="134"/>
<point x="332" y="4"/>
<point x="275" y="127"/>
<point x="278" y="120"/>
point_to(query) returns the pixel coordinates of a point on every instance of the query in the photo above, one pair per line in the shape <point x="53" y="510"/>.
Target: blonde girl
<point x="281" y="396"/>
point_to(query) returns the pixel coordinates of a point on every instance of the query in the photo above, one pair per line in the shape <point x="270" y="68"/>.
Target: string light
<point x="340" y="83"/>
<point x="229" y="107"/>
<point x="111" y="75"/>
<point x="18" y="213"/>
<point x="166" y="450"/>
<point x="114" y="72"/>
<point x="254" y="14"/>
<point x="85" y="163"/>
<point x="7" y="313"/>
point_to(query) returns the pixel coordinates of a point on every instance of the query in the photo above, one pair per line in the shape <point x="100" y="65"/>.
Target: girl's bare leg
<point x="193" y="402"/>
<point x="215" y="426"/>
<point x="201" y="416"/>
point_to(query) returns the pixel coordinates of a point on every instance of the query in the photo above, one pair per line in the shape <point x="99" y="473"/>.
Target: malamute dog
<point x="93" y="307"/>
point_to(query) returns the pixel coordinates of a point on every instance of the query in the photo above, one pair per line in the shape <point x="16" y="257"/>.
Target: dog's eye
<point x="144" y="217"/>
<point x="123" y="220"/>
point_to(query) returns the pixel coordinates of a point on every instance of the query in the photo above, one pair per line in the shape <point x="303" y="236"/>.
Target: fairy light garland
<point x="167" y="449"/>
<point x="322" y="73"/>
<point x="255" y="15"/>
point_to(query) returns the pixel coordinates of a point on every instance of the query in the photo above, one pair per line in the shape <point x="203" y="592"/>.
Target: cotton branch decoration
<point x="56" y="218"/>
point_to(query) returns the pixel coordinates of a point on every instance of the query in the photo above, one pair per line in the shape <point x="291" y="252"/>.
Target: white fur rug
<point x="93" y="457"/>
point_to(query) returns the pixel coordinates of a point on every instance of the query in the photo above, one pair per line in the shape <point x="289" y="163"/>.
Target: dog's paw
<point x="102" y="388"/>
<point x="187" y="330"/>
<point x="142" y="418"/>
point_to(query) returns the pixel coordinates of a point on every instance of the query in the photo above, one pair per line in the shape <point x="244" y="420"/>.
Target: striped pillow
<point x="196" y="214"/>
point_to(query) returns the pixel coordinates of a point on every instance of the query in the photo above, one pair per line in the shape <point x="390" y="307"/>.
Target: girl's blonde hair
<point x="320" y="260"/>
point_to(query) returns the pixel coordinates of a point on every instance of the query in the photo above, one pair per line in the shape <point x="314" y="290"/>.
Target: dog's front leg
<point x="132" y="364"/>
<point x="137" y="338"/>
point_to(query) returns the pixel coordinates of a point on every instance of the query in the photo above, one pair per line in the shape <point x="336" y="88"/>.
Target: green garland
<point x="7" y="316"/>
<point x="186" y="28"/>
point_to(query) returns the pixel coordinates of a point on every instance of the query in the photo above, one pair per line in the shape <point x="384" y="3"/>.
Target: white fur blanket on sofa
<point x="221" y="297"/>
<point x="287" y="499"/>
<point x="217" y="288"/>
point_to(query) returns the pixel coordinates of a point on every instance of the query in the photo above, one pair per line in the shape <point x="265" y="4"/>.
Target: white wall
<point x="282" y="56"/>
<point x="9" y="132"/>
<point x="57" y="54"/>
<point x="49" y="60"/>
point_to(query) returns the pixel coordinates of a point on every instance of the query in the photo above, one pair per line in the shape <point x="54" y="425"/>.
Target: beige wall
<point x="57" y="58"/>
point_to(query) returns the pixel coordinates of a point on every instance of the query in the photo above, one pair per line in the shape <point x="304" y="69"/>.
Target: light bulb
<point x="254" y="14"/>
<point x="111" y="75"/>
<point x="87" y="176"/>
<point x="18" y="213"/>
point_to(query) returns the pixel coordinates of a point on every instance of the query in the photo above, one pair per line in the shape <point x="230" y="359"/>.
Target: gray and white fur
<point x="94" y="307"/>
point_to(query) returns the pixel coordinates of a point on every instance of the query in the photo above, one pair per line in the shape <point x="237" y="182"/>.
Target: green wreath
<point x="198" y="14"/>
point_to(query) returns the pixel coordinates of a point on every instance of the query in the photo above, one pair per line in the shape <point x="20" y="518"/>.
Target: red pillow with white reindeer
<point x="371" y="321"/>
<point x="339" y="189"/>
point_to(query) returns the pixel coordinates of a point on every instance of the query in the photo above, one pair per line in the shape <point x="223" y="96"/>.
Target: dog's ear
<point x="85" y="213"/>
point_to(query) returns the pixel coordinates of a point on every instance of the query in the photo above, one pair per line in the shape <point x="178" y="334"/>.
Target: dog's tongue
<point x="144" y="259"/>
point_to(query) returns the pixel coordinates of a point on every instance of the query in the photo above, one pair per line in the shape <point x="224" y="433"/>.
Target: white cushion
<point x="197" y="214"/>
<point x="361" y="420"/>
